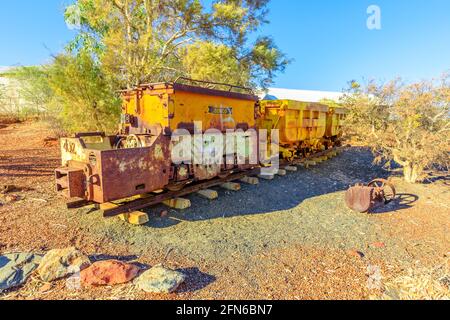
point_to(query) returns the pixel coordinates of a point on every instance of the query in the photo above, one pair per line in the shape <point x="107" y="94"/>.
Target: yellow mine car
<point x="137" y="161"/>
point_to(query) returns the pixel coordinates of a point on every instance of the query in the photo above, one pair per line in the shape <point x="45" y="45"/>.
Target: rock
<point x="160" y="280"/>
<point x="7" y="188"/>
<point x="15" y="269"/>
<point x="12" y="198"/>
<point x="379" y="245"/>
<point x="356" y="253"/>
<point x="445" y="281"/>
<point x="164" y="214"/>
<point x="60" y="263"/>
<point x="108" y="273"/>
<point x="136" y="218"/>
<point x="45" y="288"/>
<point x="50" y="142"/>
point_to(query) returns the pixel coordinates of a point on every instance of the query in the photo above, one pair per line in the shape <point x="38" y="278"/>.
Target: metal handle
<point x="90" y="134"/>
<point x="231" y="86"/>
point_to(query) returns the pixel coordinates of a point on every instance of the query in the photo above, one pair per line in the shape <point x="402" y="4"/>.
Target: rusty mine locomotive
<point x="136" y="162"/>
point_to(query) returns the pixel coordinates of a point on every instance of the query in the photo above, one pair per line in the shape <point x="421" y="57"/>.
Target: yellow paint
<point x="250" y="180"/>
<point x="135" y="218"/>
<point x="174" y="108"/>
<point x="208" y="194"/>
<point x="335" y="121"/>
<point x="178" y="203"/>
<point x="231" y="186"/>
<point x="108" y="206"/>
<point x="301" y="124"/>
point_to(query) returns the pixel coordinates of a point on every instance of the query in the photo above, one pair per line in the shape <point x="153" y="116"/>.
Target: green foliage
<point x="214" y="62"/>
<point x="3" y="99"/>
<point x="123" y="43"/>
<point x="331" y="103"/>
<point x="84" y="97"/>
<point x="2" y="92"/>
<point x="72" y="92"/>
<point x="140" y="41"/>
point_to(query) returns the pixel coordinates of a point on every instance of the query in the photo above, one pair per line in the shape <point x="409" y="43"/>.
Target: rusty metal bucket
<point x="362" y="198"/>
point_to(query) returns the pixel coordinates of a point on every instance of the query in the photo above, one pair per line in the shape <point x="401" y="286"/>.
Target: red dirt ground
<point x="40" y="222"/>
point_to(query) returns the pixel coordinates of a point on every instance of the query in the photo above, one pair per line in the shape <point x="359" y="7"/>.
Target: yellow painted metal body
<point x="335" y="121"/>
<point x="301" y="124"/>
<point x="173" y="106"/>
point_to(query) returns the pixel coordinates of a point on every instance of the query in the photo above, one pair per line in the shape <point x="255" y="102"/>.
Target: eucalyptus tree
<point x="140" y="41"/>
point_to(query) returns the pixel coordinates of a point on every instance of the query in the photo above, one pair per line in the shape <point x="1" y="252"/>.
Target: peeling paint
<point x="158" y="152"/>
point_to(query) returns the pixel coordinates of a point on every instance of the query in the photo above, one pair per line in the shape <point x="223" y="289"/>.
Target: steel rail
<point x="144" y="203"/>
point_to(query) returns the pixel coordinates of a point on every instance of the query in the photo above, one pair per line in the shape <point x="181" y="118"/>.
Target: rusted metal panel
<point x="71" y="182"/>
<point x="200" y="88"/>
<point x="214" y="92"/>
<point x="360" y="198"/>
<point x="105" y="174"/>
<point x="364" y="198"/>
<point x="206" y="172"/>
<point x="129" y="172"/>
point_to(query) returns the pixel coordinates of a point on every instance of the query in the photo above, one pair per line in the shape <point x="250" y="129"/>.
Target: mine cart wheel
<point x="225" y="174"/>
<point x="129" y="142"/>
<point x="387" y="187"/>
<point x="176" y="186"/>
<point x="120" y="144"/>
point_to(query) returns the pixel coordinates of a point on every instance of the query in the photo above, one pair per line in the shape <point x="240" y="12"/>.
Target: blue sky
<point x="328" y="39"/>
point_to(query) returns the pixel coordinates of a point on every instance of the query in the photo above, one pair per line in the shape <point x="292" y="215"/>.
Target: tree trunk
<point x="412" y="173"/>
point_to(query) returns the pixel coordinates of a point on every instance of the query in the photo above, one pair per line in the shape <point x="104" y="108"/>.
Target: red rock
<point x="164" y="214"/>
<point x="378" y="245"/>
<point x="356" y="253"/>
<point x="45" y="288"/>
<point x="108" y="273"/>
<point x="12" y="198"/>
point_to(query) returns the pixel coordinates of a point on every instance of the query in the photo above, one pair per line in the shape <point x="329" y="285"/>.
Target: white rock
<point x="160" y="280"/>
<point x="60" y="263"/>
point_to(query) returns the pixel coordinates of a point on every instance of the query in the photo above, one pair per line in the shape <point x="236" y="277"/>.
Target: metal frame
<point x="156" y="199"/>
<point x="176" y="85"/>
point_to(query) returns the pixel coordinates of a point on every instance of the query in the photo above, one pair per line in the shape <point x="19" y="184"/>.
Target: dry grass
<point x="420" y="284"/>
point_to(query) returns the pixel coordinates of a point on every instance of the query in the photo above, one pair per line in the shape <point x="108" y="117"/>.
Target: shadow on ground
<point x="442" y="178"/>
<point x="285" y="193"/>
<point x="37" y="166"/>
<point x="195" y="280"/>
<point x="401" y="202"/>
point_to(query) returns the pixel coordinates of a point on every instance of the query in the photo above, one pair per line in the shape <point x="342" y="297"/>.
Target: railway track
<point x="148" y="200"/>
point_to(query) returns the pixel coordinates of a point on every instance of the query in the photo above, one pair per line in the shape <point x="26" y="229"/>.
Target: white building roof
<point x="300" y="95"/>
<point x="4" y="69"/>
<point x="3" y="80"/>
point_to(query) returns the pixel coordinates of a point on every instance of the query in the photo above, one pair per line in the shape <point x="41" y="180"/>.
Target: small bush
<point x="405" y="123"/>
